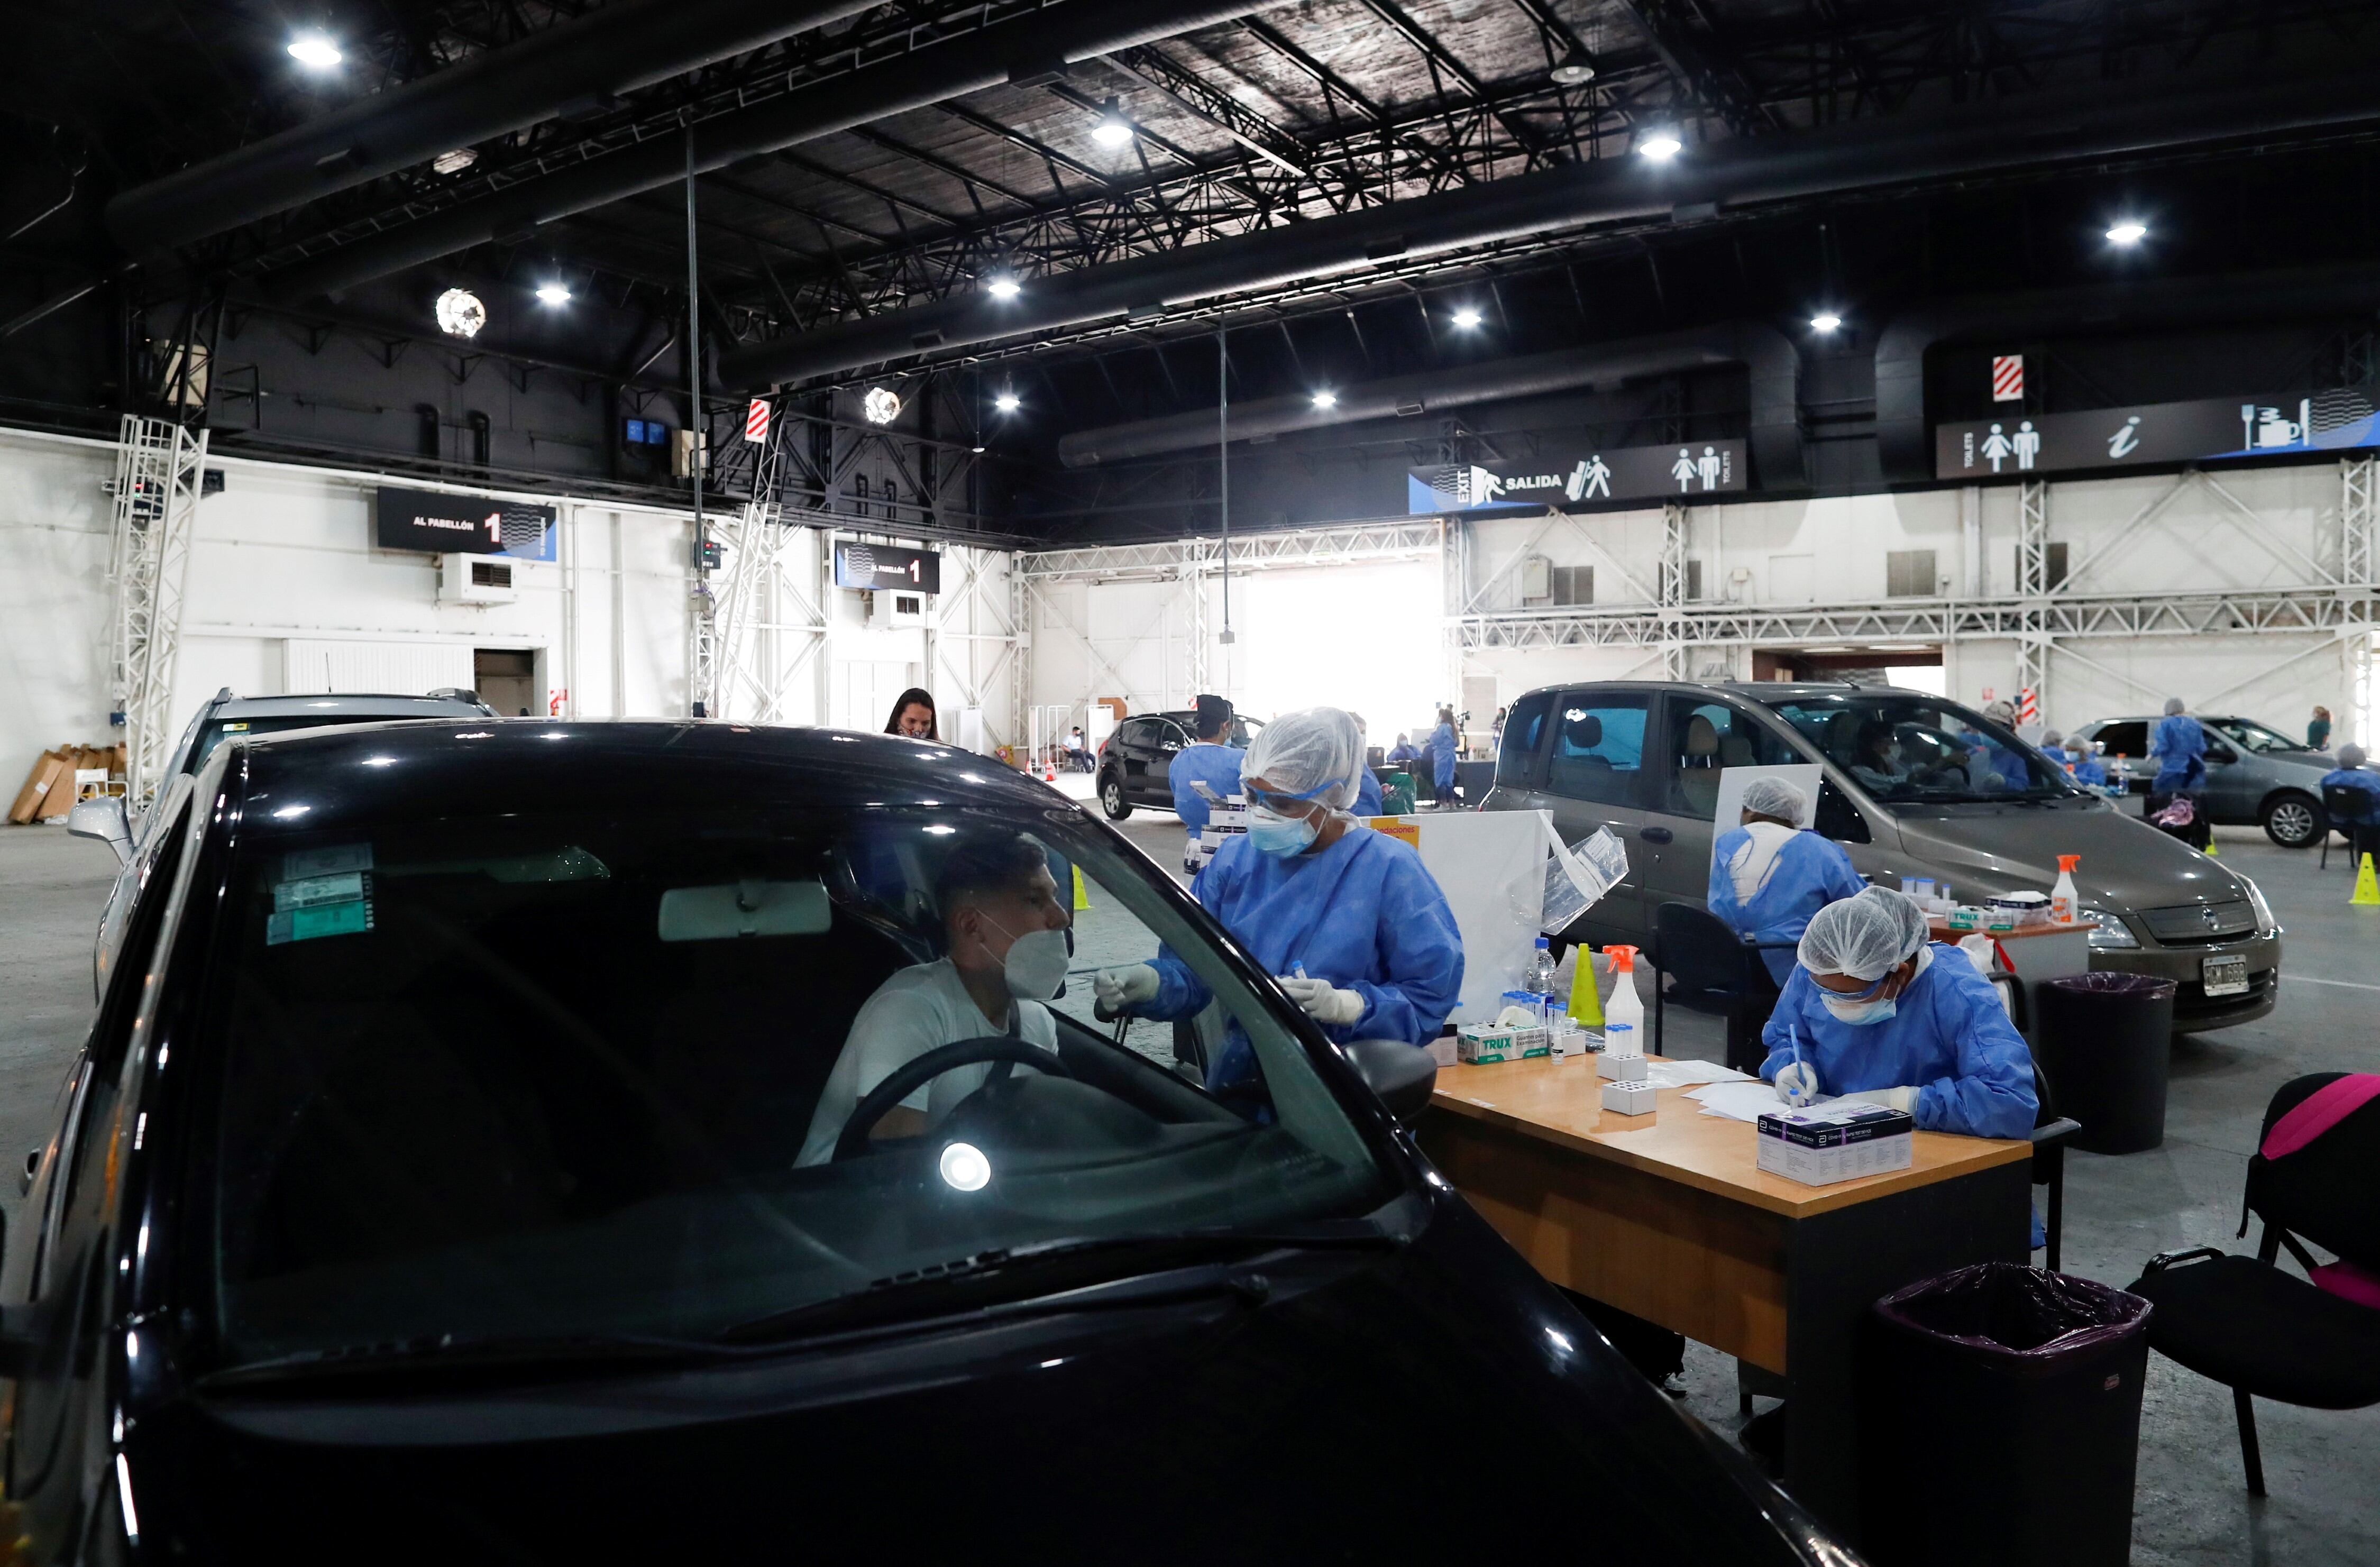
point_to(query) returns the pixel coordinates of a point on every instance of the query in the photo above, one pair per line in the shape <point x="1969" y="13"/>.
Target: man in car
<point x="2362" y="830"/>
<point x="1004" y="929"/>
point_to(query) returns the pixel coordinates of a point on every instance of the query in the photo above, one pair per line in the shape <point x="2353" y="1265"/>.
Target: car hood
<point x="1439" y="1401"/>
<point x="2126" y="863"/>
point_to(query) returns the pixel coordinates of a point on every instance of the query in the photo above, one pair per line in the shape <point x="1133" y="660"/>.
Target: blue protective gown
<point x="1950" y="1039"/>
<point x="2368" y="783"/>
<point x="1362" y="914"/>
<point x="1218" y="767"/>
<point x="1441" y="757"/>
<point x="1403" y="752"/>
<point x="1810" y="872"/>
<point x="1367" y="792"/>
<point x="2179" y="745"/>
<point x="2086" y="767"/>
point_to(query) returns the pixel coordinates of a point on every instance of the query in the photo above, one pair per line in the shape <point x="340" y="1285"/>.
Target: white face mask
<point x="1036" y="964"/>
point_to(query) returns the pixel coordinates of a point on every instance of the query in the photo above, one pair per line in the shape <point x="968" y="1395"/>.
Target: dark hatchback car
<point x="1135" y="761"/>
<point x="429" y="1180"/>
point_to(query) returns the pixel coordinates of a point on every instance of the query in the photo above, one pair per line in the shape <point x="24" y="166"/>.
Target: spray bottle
<point x="1623" y="1015"/>
<point x="2065" y="906"/>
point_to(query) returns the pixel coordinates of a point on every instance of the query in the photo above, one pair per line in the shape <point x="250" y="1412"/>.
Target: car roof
<point x="1756" y="690"/>
<point x="360" y="774"/>
<point x="350" y="704"/>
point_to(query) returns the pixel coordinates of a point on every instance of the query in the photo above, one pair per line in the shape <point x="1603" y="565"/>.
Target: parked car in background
<point x="1135" y="759"/>
<point x="473" y="1189"/>
<point x="2255" y="775"/>
<point x="1967" y="803"/>
<point x="222" y="717"/>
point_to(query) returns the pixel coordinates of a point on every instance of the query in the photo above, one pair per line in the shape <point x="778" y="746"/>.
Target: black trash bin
<point x="2002" y="1421"/>
<point x="2107" y="1041"/>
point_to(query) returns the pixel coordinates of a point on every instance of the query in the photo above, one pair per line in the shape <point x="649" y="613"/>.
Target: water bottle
<point x="1541" y="976"/>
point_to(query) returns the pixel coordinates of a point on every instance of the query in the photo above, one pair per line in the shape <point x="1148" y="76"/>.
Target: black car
<point x="1135" y="759"/>
<point x="431" y="1183"/>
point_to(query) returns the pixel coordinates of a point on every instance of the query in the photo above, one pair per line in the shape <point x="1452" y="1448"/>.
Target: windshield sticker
<point x="300" y="865"/>
<point x="308" y="924"/>
<point x="346" y="887"/>
<point x="235" y="728"/>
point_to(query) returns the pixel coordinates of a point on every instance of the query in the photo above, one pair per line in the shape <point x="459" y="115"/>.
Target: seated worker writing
<point x="1769" y="876"/>
<point x="1005" y="929"/>
<point x="1885" y="1017"/>
<point x="1357" y="931"/>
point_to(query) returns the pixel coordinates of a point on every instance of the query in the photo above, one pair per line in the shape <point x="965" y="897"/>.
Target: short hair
<point x="994" y="862"/>
<point x="1214" y="713"/>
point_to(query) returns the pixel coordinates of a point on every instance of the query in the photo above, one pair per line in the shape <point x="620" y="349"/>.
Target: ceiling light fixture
<point x="1005" y="286"/>
<point x="1659" y="147"/>
<point x="1113" y="129"/>
<point x="2130" y="231"/>
<point x="459" y="313"/>
<point x="314" y="51"/>
<point x="1326" y="399"/>
<point x="1575" y="68"/>
<point x="552" y="294"/>
<point x="1006" y="402"/>
<point x="1825" y="321"/>
<point x="1467" y="318"/>
<point x="454" y="160"/>
<point x="881" y="406"/>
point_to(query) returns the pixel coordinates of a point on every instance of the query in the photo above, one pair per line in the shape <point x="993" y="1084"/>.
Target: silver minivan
<point x="1914" y="785"/>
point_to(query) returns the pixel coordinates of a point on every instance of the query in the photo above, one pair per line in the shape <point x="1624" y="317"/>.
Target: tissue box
<point x="1480" y="1043"/>
<point x="1835" y="1142"/>
<point x="1619" y="1068"/>
<point x="1632" y="1097"/>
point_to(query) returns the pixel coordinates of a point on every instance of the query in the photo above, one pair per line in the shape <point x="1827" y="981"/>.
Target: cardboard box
<point x="1481" y="1043"/>
<point x="1840" y="1141"/>
<point x="30" y="798"/>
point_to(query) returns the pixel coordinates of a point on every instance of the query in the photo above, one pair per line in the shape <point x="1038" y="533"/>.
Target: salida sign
<point x="2148" y="433"/>
<point x="1627" y="473"/>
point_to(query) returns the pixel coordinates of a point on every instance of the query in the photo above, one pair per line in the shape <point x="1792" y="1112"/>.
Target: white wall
<point x="53" y="604"/>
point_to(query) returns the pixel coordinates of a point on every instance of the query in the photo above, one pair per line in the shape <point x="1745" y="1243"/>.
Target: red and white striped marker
<point x="755" y="420"/>
<point x="2008" y="378"/>
<point x="2028" y="705"/>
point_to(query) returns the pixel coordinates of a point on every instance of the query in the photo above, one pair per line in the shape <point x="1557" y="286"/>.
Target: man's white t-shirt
<point x="917" y="1010"/>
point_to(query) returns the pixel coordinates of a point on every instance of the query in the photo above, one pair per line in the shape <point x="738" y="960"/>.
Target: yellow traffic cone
<point x="2210" y="850"/>
<point x="2367" y="889"/>
<point x="1082" y="895"/>
<point x="1586" y="1002"/>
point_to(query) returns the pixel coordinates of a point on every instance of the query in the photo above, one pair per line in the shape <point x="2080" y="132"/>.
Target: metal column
<point x="2355" y="506"/>
<point x="160" y="465"/>
<point x="2033" y="587"/>
<point x="1669" y="589"/>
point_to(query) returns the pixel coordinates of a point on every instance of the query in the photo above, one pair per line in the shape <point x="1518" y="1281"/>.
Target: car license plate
<point x="2225" y="975"/>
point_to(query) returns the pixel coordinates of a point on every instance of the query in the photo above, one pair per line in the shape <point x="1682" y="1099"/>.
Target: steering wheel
<point x="1004" y="1049"/>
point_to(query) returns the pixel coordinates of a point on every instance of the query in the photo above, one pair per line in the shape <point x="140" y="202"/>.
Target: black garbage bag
<point x="2107" y="1041"/>
<point x="2029" y="1376"/>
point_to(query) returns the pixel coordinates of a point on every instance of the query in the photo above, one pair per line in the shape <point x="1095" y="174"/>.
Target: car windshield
<point x="573" y="1074"/>
<point x="1903" y="747"/>
<point x="2251" y="735"/>
<point x="217" y="730"/>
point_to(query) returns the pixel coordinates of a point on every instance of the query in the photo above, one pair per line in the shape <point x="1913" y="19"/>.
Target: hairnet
<point x="2172" y="705"/>
<point x="1864" y="936"/>
<point x="2001" y="713"/>
<point x="2052" y="739"/>
<point x="2350" y="756"/>
<point x="1302" y="751"/>
<point x="1774" y="796"/>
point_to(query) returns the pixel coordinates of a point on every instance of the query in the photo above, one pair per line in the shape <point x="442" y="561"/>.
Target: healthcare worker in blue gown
<point x="2362" y="830"/>
<point x="1442" y="747"/>
<point x="2179" y="745"/>
<point x="1208" y="760"/>
<point x="1769" y="876"/>
<point x="1306" y="887"/>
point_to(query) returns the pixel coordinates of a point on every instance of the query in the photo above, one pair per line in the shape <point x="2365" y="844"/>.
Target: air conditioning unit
<point x="891" y="610"/>
<point x="475" y="580"/>
<point x="1536" y="579"/>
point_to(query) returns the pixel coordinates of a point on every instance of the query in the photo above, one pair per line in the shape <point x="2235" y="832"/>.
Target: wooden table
<point x="1667" y="1216"/>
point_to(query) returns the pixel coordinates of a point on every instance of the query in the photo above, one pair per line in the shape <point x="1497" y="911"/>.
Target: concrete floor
<point x="2192" y="1511"/>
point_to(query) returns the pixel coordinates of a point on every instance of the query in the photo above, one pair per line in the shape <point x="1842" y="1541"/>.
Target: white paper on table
<point x="1681" y="1074"/>
<point x="1743" y="1102"/>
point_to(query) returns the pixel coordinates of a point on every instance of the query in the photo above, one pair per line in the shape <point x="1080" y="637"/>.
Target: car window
<point x="1243" y="731"/>
<point x="1599" y="746"/>
<point x="1911" y="748"/>
<point x="1525" y="728"/>
<point x="1706" y="738"/>
<point x="560" y="1074"/>
<point x="2125" y="738"/>
<point x="2252" y="735"/>
<point x="1135" y="732"/>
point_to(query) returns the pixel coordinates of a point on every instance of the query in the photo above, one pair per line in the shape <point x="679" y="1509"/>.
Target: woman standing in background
<point x="2318" y="732"/>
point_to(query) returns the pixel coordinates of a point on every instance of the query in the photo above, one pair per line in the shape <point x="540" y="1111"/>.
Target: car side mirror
<point x="103" y="819"/>
<point x="1402" y="1075"/>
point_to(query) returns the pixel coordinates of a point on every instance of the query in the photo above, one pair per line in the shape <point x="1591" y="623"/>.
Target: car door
<point x="1595" y="776"/>
<point x="1135" y="746"/>
<point x="1701" y="737"/>
<point x="1165" y="739"/>
<point x="2230" y="794"/>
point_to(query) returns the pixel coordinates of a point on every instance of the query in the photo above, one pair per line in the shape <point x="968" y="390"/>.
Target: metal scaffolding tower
<point x="2355" y="517"/>
<point x="2033" y="587"/>
<point x="160" y="467"/>
<point x="1676" y="657"/>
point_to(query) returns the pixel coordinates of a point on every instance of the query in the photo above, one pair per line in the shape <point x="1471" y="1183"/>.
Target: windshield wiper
<point x="1047" y="1273"/>
<point x="446" y="1353"/>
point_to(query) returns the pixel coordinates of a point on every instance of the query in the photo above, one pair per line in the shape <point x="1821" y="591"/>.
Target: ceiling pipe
<point x="1768" y="353"/>
<point x="2030" y="132"/>
<point x="622" y="46"/>
<point x="1030" y="48"/>
<point x="1904" y="435"/>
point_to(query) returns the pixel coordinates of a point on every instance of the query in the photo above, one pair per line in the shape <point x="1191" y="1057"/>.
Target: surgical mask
<point x="1860" y="1013"/>
<point x="1274" y="833"/>
<point x="1036" y="964"/>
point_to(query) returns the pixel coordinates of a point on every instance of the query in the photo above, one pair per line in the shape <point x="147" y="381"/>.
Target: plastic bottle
<point x="1542" y="970"/>
<point x="2065" y="905"/>
<point x="1623" y="1015"/>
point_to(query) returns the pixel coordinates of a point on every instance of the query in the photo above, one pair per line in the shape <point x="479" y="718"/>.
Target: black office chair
<point x="1712" y="961"/>
<point x="2342" y="811"/>
<point x="2244" y="1322"/>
